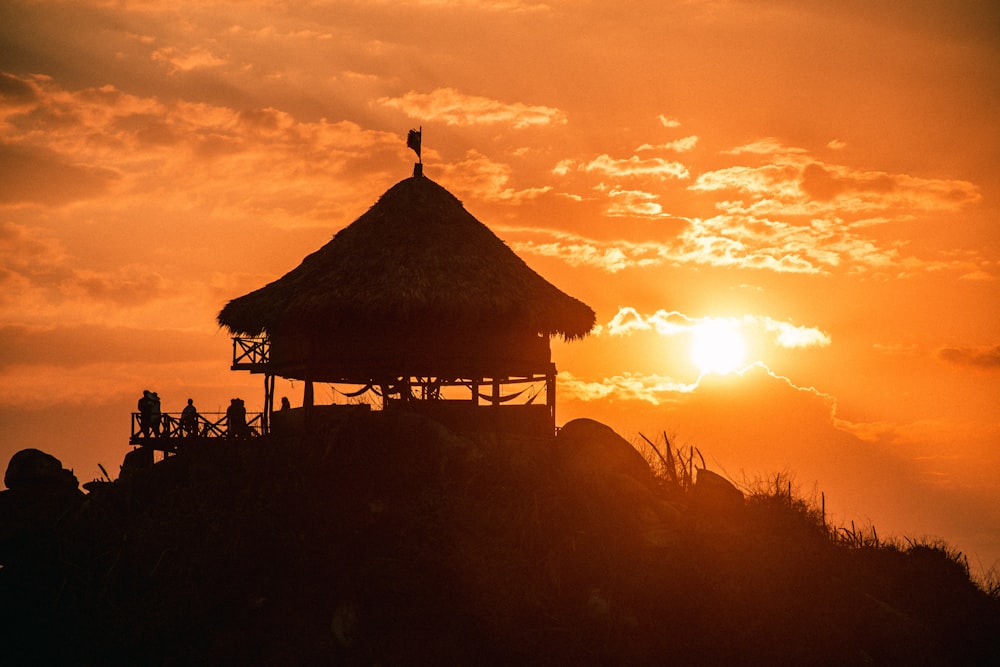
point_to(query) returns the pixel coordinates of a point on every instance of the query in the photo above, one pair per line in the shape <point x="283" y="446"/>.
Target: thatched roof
<point x="416" y="259"/>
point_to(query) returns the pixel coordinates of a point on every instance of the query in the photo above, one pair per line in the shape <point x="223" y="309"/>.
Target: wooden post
<point x="308" y="395"/>
<point x="268" y="403"/>
<point x="550" y="394"/>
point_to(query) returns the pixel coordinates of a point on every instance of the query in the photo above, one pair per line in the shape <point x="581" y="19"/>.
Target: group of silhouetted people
<point x="151" y="420"/>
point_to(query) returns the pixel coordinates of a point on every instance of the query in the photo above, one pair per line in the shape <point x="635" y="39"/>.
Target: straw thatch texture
<point x="418" y="261"/>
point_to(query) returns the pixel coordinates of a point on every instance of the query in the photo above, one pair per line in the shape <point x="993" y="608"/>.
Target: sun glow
<point x="717" y="347"/>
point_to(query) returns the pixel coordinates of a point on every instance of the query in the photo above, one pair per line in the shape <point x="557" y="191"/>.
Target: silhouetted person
<point x="154" y="413"/>
<point x="189" y="419"/>
<point x="145" y="407"/>
<point x="236" y="419"/>
<point x="285" y="405"/>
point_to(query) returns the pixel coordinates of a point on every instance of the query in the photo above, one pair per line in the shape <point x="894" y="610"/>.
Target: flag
<point x="413" y="141"/>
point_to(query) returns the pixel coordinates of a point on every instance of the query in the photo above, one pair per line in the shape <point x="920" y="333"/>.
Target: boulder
<point x="590" y="447"/>
<point x="40" y="492"/>
<point x="712" y="490"/>
<point x="33" y="469"/>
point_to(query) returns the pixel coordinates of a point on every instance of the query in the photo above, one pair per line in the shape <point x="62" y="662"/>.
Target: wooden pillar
<point x="308" y="396"/>
<point x="550" y="394"/>
<point x="268" y="403"/>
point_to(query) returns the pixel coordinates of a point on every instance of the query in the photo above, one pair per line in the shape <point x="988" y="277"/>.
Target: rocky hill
<point x="385" y="539"/>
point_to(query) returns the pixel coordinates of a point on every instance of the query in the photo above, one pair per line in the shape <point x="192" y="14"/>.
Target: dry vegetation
<point x="389" y="540"/>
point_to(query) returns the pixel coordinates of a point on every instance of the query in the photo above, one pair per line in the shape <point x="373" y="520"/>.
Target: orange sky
<point x="822" y="182"/>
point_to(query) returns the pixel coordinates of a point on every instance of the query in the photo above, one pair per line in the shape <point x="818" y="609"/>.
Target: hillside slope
<point x="386" y="539"/>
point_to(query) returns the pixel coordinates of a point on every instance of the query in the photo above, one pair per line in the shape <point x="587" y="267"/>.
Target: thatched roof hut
<point x="414" y="287"/>
<point x="417" y="258"/>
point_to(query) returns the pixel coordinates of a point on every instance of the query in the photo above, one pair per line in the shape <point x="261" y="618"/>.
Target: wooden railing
<point x="205" y="425"/>
<point x="250" y="354"/>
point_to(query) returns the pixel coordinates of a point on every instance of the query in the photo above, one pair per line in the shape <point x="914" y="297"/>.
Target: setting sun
<point x="717" y="347"/>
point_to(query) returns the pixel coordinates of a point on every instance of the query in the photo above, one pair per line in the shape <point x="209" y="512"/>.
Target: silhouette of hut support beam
<point x="413" y="296"/>
<point x="253" y="354"/>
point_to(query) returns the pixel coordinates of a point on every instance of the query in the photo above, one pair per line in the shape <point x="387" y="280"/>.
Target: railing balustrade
<point x="250" y="352"/>
<point x="206" y="425"/>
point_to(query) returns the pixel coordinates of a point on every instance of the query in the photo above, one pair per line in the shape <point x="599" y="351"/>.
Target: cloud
<point x="856" y="190"/>
<point x="31" y="262"/>
<point x="609" y="259"/>
<point x="625" y="321"/>
<point x="76" y="346"/>
<point x="651" y="389"/>
<point x="987" y="358"/>
<point x="15" y="91"/>
<point x="633" y="203"/>
<point x="480" y="177"/>
<point x="678" y="145"/>
<point x="452" y="107"/>
<point x="792" y="336"/>
<point x="34" y="175"/>
<point x="791" y="182"/>
<point x="185" y="154"/>
<point x="671" y="323"/>
<point x="654" y="167"/>
<point x="186" y="61"/>
<point x="578" y="250"/>
<point x="766" y="146"/>
<point x="782" y="210"/>
<point x="790" y="212"/>
<point x="725" y="241"/>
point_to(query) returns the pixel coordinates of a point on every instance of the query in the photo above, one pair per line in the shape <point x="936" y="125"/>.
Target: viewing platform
<point x="209" y="426"/>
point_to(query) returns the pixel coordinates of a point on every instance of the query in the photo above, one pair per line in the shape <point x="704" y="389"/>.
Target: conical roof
<point x="416" y="259"/>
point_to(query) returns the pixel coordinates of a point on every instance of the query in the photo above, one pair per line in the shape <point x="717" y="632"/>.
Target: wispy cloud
<point x="987" y="358"/>
<point x="654" y="167"/>
<point x="478" y="176"/>
<point x="75" y="145"/>
<point x="787" y="211"/>
<point x="677" y="145"/>
<point x="785" y="334"/>
<point x="184" y="61"/>
<point x="36" y="175"/>
<point x="453" y="107"/>
<point x="633" y="203"/>
<point x="780" y="210"/>
<point x="34" y="264"/>
<point x="579" y="250"/>
<point x="792" y="182"/>
<point x="652" y="389"/>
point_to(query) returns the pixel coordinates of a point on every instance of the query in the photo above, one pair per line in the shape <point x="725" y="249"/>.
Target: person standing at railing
<point x="189" y="419"/>
<point x="145" y="408"/>
<point x="154" y="413"/>
<point x="236" y="419"/>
